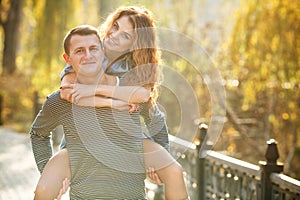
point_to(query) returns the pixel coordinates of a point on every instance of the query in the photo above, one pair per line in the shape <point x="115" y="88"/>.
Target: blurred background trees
<point x="262" y="62"/>
<point x="254" y="44"/>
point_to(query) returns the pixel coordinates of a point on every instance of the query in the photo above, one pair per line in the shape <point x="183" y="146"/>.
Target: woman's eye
<point x="114" y="27"/>
<point x="125" y="36"/>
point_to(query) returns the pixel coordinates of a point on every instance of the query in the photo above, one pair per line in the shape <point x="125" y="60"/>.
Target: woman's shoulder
<point x="120" y="67"/>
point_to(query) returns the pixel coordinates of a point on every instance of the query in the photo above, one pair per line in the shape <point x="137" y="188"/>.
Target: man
<point x="102" y="162"/>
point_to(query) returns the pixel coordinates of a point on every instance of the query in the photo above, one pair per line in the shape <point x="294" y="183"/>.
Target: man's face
<point x="120" y="36"/>
<point x="86" y="55"/>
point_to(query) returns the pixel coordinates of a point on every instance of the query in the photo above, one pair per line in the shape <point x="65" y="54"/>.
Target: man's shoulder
<point x="54" y="98"/>
<point x="54" y="95"/>
<point x="55" y="104"/>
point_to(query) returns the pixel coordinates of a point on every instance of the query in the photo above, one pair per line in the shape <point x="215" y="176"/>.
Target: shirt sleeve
<point x="156" y="124"/>
<point x="40" y="134"/>
<point x="68" y="69"/>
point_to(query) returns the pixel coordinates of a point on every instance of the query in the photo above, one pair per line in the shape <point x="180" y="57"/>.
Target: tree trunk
<point x="292" y="148"/>
<point x="1" y="109"/>
<point x="11" y="30"/>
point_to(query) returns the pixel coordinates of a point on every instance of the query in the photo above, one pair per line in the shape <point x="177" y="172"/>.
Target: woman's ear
<point x="67" y="58"/>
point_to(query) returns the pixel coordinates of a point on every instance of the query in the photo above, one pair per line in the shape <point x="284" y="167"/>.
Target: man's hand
<point x="153" y="176"/>
<point x="64" y="189"/>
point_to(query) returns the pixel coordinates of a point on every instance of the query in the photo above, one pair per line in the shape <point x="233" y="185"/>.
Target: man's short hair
<point x="79" y="30"/>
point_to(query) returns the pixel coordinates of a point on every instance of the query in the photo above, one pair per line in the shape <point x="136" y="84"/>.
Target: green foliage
<point x="264" y="57"/>
<point x="17" y="101"/>
<point x="177" y="99"/>
<point x="265" y="47"/>
<point x="260" y="66"/>
<point x="39" y="58"/>
<point x="47" y="61"/>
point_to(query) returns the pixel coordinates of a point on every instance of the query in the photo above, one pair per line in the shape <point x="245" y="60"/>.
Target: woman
<point x="126" y="50"/>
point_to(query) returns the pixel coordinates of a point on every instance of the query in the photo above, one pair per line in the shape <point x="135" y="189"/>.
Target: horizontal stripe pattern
<point x="98" y="172"/>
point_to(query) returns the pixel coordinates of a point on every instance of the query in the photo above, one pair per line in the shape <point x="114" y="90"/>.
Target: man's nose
<point x="88" y="53"/>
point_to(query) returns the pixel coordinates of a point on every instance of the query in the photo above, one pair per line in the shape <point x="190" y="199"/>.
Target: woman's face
<point x="120" y="36"/>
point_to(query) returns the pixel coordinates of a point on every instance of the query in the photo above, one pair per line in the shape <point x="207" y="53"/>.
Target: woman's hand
<point x="74" y="92"/>
<point x="121" y="105"/>
<point x="65" y="93"/>
<point x="134" y="107"/>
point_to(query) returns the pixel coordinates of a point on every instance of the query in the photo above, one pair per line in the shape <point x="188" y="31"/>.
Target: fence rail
<point x="284" y="187"/>
<point x="217" y="176"/>
<point x="220" y="177"/>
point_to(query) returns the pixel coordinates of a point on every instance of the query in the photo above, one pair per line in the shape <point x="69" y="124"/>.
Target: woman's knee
<point x="42" y="193"/>
<point x="175" y="169"/>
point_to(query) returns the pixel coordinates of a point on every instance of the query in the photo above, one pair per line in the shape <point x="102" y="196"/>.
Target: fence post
<point x="268" y="167"/>
<point x="201" y="162"/>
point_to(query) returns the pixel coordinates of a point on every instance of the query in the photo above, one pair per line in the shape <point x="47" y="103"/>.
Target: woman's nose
<point x="115" y="34"/>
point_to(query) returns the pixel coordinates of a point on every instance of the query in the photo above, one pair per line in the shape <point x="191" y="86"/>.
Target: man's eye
<point x="94" y="49"/>
<point x="79" y="51"/>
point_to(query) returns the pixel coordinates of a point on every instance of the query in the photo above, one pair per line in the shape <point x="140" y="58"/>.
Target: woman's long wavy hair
<point x="144" y="54"/>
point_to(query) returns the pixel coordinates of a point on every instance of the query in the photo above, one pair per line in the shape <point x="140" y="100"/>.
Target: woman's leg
<point x="51" y="180"/>
<point x="167" y="168"/>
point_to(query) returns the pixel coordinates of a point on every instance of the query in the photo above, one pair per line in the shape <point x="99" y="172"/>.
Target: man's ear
<point x="67" y="58"/>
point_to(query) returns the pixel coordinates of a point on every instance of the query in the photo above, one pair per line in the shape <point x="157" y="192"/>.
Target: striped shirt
<point x="104" y="145"/>
<point x="154" y="119"/>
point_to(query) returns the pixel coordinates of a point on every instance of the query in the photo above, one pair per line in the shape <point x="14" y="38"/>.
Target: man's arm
<point x="40" y="134"/>
<point x="155" y="122"/>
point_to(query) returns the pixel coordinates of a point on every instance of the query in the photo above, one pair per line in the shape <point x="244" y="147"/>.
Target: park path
<point x="18" y="171"/>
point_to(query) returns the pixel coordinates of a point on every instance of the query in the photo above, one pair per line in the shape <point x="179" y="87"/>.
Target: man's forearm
<point x="129" y="94"/>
